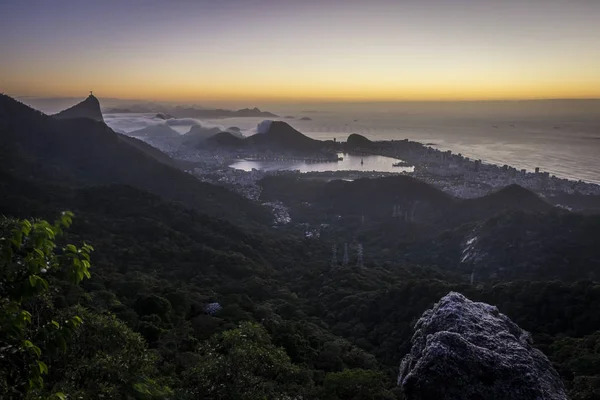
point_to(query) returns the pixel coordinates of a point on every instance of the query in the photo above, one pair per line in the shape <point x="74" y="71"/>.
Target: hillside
<point x="83" y="152"/>
<point x="149" y="150"/>
<point x="513" y="197"/>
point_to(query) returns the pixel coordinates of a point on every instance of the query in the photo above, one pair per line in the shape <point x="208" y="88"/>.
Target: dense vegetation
<point x="157" y="266"/>
<point x="510" y="234"/>
<point x="174" y="302"/>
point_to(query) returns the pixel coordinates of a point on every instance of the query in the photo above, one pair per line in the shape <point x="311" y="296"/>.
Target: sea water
<point x="560" y="137"/>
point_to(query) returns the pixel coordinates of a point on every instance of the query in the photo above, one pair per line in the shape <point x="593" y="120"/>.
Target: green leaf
<point x="58" y="396"/>
<point x="71" y="248"/>
<point x="35" y="280"/>
<point x="56" y="324"/>
<point x="32" y="347"/>
<point x="25" y="227"/>
<point x="51" y="234"/>
<point x="43" y="367"/>
<point x="39" y="253"/>
<point x="26" y="315"/>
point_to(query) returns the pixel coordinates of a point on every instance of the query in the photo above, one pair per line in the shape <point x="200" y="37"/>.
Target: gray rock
<point x="468" y="350"/>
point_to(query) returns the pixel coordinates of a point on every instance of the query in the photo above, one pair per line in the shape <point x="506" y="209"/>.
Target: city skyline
<point x="311" y="51"/>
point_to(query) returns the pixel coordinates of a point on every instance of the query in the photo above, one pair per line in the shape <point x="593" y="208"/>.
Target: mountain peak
<point x="88" y="108"/>
<point x="281" y="135"/>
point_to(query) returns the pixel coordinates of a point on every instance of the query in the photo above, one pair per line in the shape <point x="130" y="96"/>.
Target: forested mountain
<point x="510" y="234"/>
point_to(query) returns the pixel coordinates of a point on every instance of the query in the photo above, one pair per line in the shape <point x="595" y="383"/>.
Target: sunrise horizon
<point x="315" y="51"/>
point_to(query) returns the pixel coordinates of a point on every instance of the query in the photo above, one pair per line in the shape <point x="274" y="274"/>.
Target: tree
<point x="105" y="359"/>
<point x="355" y="384"/>
<point x="28" y="330"/>
<point x="243" y="364"/>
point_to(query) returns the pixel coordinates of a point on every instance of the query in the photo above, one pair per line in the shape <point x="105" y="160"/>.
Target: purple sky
<point x="267" y="49"/>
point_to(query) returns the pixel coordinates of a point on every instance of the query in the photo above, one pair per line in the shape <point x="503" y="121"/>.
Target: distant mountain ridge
<point x="191" y="112"/>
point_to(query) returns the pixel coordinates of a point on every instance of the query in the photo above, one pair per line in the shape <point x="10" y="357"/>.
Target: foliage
<point x="107" y="350"/>
<point x="242" y="363"/>
<point x="355" y="384"/>
<point x="29" y="330"/>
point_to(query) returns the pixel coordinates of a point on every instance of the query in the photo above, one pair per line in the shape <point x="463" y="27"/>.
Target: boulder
<point x="468" y="350"/>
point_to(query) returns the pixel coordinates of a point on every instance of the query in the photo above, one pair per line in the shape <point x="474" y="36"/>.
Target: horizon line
<point x="313" y="100"/>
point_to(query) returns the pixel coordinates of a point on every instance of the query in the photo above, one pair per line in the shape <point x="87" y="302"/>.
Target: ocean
<point x="560" y="137"/>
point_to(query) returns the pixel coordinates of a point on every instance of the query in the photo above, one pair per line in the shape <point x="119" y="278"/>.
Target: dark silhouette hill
<point x="84" y="152"/>
<point x="281" y="136"/>
<point x="510" y="198"/>
<point x="88" y="108"/>
<point x="225" y="139"/>
<point x="399" y="197"/>
<point x="404" y="196"/>
<point x="356" y="140"/>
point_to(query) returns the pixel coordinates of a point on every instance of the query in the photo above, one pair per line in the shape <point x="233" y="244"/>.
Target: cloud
<point x="126" y="123"/>
<point x="183" y="122"/>
<point x="264" y="126"/>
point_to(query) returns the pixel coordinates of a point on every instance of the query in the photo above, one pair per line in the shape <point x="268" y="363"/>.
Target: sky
<point x="303" y="50"/>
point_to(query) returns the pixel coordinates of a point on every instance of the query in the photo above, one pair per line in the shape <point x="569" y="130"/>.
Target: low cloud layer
<point x="126" y="123"/>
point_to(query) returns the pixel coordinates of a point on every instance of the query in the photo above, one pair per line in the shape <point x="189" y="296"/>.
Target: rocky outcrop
<point x="88" y="108"/>
<point x="468" y="350"/>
